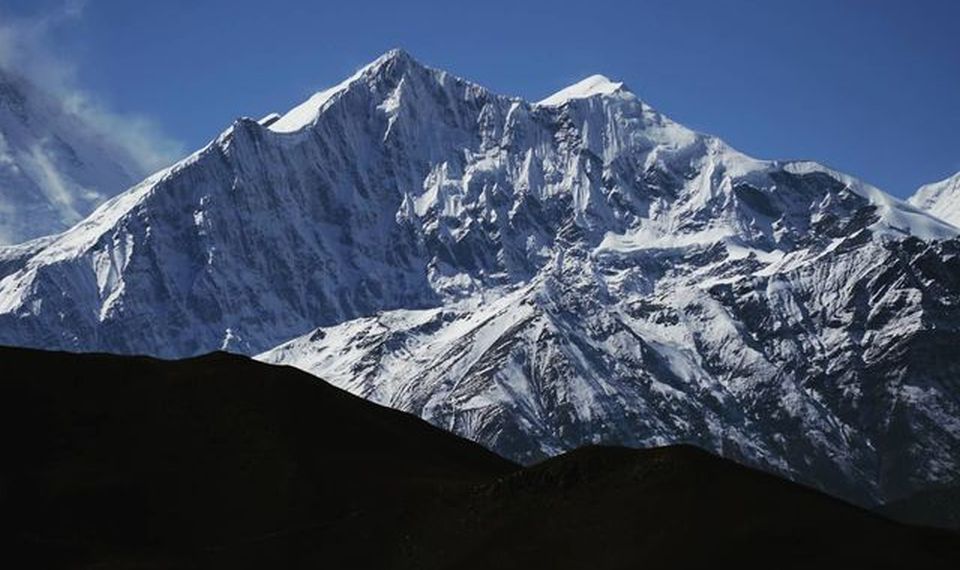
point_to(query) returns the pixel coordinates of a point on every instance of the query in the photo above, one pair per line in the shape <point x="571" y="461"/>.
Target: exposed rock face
<point x="534" y="277"/>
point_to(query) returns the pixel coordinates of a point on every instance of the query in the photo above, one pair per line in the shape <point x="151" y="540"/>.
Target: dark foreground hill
<point x="222" y="462"/>
<point x="938" y="507"/>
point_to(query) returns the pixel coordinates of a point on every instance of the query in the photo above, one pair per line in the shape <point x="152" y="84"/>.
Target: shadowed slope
<point x="937" y="507"/>
<point x="111" y="457"/>
<point x="680" y="507"/>
<point x="223" y="462"/>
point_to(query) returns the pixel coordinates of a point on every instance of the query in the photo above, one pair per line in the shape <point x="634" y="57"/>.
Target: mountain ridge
<point x="942" y="199"/>
<point x="590" y="272"/>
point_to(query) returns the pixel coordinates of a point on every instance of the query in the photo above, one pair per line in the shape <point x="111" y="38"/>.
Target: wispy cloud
<point x="26" y="46"/>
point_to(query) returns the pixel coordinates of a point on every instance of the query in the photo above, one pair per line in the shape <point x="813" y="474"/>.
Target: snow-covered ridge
<point x="589" y="87"/>
<point x="942" y="199"/>
<point x="307" y="112"/>
<point x="897" y="217"/>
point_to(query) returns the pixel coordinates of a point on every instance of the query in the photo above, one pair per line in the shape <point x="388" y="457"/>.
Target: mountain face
<point x="942" y="199"/>
<point x="534" y="277"/>
<point x="222" y="462"/>
<point x="55" y="168"/>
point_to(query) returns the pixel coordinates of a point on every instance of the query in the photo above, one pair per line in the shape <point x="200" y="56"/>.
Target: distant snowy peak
<point x="942" y="199"/>
<point x="589" y="87"/>
<point x="55" y="168"/>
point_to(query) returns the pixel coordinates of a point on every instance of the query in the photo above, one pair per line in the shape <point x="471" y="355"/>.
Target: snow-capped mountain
<point x="942" y="199"/>
<point x="55" y="167"/>
<point x="534" y="277"/>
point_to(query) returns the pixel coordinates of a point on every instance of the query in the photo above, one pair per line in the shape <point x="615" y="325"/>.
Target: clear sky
<point x="870" y="87"/>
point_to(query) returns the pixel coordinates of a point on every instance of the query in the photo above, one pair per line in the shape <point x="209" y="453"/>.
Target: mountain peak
<point x="395" y="54"/>
<point x="388" y="61"/>
<point x="589" y="87"/>
<point x="305" y="113"/>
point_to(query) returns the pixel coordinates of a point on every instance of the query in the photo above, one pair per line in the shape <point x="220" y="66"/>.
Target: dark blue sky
<point x="870" y="87"/>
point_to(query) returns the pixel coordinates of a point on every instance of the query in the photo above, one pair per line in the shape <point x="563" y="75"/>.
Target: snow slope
<point x="942" y="199"/>
<point x="588" y="87"/>
<point x="535" y="277"/>
<point x="55" y="168"/>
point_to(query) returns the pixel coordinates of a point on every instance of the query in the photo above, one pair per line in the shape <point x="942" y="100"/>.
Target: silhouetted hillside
<point x="939" y="507"/>
<point x="223" y="462"/>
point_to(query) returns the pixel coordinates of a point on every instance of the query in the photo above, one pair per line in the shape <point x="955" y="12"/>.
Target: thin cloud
<point x="25" y="47"/>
